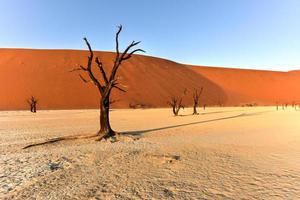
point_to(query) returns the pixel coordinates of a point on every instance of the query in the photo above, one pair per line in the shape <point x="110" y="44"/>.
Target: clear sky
<point x="260" y="34"/>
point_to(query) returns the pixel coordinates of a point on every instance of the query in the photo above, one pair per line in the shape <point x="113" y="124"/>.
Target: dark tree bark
<point x="104" y="120"/>
<point x="105" y="84"/>
<point x="176" y="103"/>
<point x="32" y="103"/>
<point x="196" y="97"/>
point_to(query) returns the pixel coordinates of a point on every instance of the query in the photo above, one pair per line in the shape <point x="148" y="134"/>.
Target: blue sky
<point x="259" y="34"/>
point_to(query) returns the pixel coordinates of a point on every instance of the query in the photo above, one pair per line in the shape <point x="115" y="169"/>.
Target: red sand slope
<point x="254" y="86"/>
<point x="150" y="81"/>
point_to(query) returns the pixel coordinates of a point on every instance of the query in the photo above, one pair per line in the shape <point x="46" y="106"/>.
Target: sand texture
<point x="223" y="153"/>
<point x="149" y="81"/>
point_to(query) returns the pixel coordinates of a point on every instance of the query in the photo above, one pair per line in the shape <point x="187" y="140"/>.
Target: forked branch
<point x="176" y="103"/>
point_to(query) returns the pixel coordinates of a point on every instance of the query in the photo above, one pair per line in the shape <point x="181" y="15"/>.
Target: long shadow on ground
<point x="214" y="112"/>
<point x="141" y="132"/>
<point x="217" y="112"/>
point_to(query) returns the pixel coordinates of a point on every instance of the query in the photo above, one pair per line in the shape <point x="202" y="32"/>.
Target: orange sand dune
<point x="254" y="86"/>
<point x="150" y="81"/>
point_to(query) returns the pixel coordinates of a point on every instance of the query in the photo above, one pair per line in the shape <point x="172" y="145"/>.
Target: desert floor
<point x="223" y="153"/>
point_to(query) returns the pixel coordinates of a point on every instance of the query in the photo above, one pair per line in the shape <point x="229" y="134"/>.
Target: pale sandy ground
<point x="224" y="153"/>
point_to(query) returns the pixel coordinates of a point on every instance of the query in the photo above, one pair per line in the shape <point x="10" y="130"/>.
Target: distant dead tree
<point x="32" y="103"/>
<point x="204" y="106"/>
<point x="104" y="85"/>
<point x="176" y="103"/>
<point x="196" y="96"/>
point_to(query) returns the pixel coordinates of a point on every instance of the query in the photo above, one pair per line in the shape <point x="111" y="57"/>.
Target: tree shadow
<point x="142" y="132"/>
<point x="217" y="112"/>
<point x="208" y="113"/>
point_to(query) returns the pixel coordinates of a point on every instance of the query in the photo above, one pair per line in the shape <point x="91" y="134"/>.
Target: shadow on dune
<point x="141" y="132"/>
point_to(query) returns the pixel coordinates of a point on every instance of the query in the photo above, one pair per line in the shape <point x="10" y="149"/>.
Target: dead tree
<point x="196" y="97"/>
<point x="176" y="103"/>
<point x="32" y="103"/>
<point x="104" y="84"/>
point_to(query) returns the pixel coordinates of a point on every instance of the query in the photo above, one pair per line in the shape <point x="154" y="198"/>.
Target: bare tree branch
<point x="133" y="43"/>
<point x="117" y="87"/>
<point x="131" y="53"/>
<point x="80" y="68"/>
<point x="100" y="66"/>
<point x="120" y="59"/>
<point x="83" y="79"/>
<point x="90" y="49"/>
<point x="89" y="67"/>
<point x="117" y="41"/>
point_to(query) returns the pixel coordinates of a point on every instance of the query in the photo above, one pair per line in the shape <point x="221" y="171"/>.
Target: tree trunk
<point x="174" y="111"/>
<point x="34" y="108"/>
<point x="105" y="129"/>
<point x="195" y="110"/>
